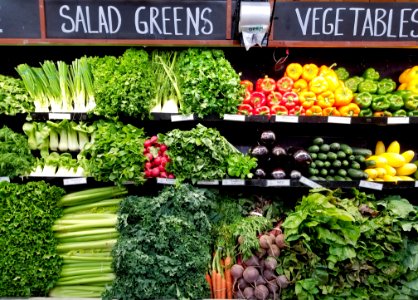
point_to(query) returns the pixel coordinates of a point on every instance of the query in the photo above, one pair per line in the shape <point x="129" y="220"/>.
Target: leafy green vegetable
<point x="15" y="155"/>
<point x="115" y="154"/>
<point x="164" y="247"/>
<point x="208" y="83"/>
<point x="29" y="264"/>
<point x="14" y="98"/>
<point x="202" y="154"/>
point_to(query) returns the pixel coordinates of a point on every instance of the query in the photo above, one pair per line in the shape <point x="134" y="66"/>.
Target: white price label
<point x="4" y="179"/>
<point x="278" y="182"/>
<point x="208" y="182"/>
<point x="233" y="182"/>
<point x="371" y="185"/>
<point x="309" y="183"/>
<point x="59" y="116"/>
<point x="181" y="118"/>
<point x="339" y="120"/>
<point x="398" y="120"/>
<point x="416" y="183"/>
<point x="239" y="118"/>
<point x="75" y="181"/>
<point x="287" y="119"/>
<point x="166" y="181"/>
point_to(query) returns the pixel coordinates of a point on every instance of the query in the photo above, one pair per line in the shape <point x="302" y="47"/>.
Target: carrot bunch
<point x="219" y="277"/>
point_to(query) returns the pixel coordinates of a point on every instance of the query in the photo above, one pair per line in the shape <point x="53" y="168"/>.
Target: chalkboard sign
<point x="158" y="19"/>
<point x="345" y="21"/>
<point x="19" y="19"/>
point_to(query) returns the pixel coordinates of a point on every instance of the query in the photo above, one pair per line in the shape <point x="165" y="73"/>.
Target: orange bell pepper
<point x="307" y="99"/>
<point x="404" y="75"/>
<point x="310" y="71"/>
<point x="318" y="85"/>
<point x="300" y="85"/>
<point x="331" y="111"/>
<point x="294" y="71"/>
<point x="326" y="99"/>
<point x="349" y="110"/>
<point x="315" y="110"/>
<point x="343" y="96"/>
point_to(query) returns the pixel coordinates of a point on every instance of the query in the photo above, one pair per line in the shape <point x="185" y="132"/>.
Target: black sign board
<point x="128" y="19"/>
<point x="346" y="21"/>
<point x="19" y="19"/>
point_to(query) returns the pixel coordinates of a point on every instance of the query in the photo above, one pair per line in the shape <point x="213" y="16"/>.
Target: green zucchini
<point x="356" y="174"/>
<point x="318" y="141"/>
<point x="324" y="148"/>
<point x="342" y="172"/>
<point x="362" y="151"/>
<point x="313" y="149"/>
<point x="332" y="156"/>
<point x="347" y="149"/>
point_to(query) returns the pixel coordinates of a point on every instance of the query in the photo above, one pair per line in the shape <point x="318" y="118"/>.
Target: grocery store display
<point x="14" y="98"/>
<point x="29" y="263"/>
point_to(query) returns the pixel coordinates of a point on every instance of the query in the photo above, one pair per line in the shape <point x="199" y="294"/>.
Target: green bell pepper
<point x="410" y="100"/>
<point x="385" y="86"/>
<point x="396" y="101"/>
<point x="342" y="73"/>
<point x="363" y="100"/>
<point x="365" y="112"/>
<point x="371" y="74"/>
<point x="380" y="103"/>
<point x="368" y="85"/>
<point x="353" y="82"/>
<point x="400" y="113"/>
<point x="413" y="113"/>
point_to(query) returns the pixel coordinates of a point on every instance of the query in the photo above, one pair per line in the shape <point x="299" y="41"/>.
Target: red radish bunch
<point x="157" y="157"/>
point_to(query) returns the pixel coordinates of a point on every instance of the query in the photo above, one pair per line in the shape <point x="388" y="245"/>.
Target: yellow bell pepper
<point x="404" y="75"/>
<point x="294" y="71"/>
<point x="318" y="85"/>
<point x="349" y="110"/>
<point x="326" y="99"/>
<point x="402" y="87"/>
<point x="412" y="74"/>
<point x="413" y="85"/>
<point x="343" y="96"/>
<point x="330" y="76"/>
<point x="300" y="85"/>
<point x="310" y="71"/>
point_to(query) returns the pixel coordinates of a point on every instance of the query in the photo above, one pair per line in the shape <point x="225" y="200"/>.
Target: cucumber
<point x="360" y="158"/>
<point x="351" y="158"/>
<point x="323" y="172"/>
<point x="327" y="164"/>
<point x="335" y="146"/>
<point x="341" y="154"/>
<point x="321" y="178"/>
<point x="347" y="149"/>
<point x="356" y="174"/>
<point x="348" y="178"/>
<point x="339" y="178"/>
<point x="329" y="178"/>
<point x="322" y="156"/>
<point x="345" y="163"/>
<point x="331" y="171"/>
<point x="337" y="163"/>
<point x="314" y="155"/>
<point x="370" y="163"/>
<point x="355" y="165"/>
<point x="324" y="148"/>
<point x="318" y="141"/>
<point x="313" y="149"/>
<point x="313" y="171"/>
<point x="332" y="156"/>
<point x="315" y="178"/>
<point x="319" y="163"/>
<point x="342" y="172"/>
<point x="313" y="165"/>
<point x="362" y="151"/>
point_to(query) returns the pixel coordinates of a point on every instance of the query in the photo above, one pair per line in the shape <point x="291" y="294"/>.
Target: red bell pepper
<point x="266" y="85"/>
<point x="274" y="98"/>
<point x="245" y="109"/>
<point x="279" y="110"/>
<point x="247" y="97"/>
<point x="261" y="110"/>
<point x="284" y="84"/>
<point x="258" y="99"/>
<point x="249" y="86"/>
<point x="297" y="111"/>
<point x="290" y="100"/>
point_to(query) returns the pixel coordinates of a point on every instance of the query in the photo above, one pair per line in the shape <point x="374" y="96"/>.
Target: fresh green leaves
<point x="15" y="156"/>
<point x="164" y="247"/>
<point x="13" y="96"/>
<point x="116" y="153"/>
<point x="29" y="265"/>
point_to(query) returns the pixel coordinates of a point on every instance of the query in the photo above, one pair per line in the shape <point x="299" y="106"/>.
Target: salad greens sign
<point x="346" y="21"/>
<point x="157" y="19"/>
<point x="19" y="19"/>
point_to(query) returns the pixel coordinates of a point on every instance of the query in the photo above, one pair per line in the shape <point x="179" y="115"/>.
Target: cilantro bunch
<point x="164" y="247"/>
<point x="29" y="264"/>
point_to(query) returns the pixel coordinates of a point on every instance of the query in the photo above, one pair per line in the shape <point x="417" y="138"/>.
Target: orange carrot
<point x="209" y="280"/>
<point x="223" y="288"/>
<point x="214" y="284"/>
<point x="218" y="294"/>
<point x="228" y="277"/>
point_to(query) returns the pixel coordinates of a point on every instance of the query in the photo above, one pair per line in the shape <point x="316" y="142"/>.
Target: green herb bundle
<point x="14" y="98"/>
<point x="208" y="83"/>
<point x="115" y="154"/>
<point x="15" y="155"/>
<point x="29" y="264"/>
<point x="164" y="247"/>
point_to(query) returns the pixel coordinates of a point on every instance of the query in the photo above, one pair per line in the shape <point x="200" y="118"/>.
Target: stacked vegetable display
<point x="86" y="233"/>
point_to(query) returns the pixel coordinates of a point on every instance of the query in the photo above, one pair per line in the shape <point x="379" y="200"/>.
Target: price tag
<point x="339" y="120"/>
<point x="278" y="182"/>
<point x="239" y="118"/>
<point x="208" y="182"/>
<point x="181" y="118"/>
<point x="398" y="120"/>
<point x="287" y="119"/>
<point x="59" y="116"/>
<point x="309" y="183"/>
<point x="75" y="181"/>
<point x="371" y="185"/>
<point x="416" y="183"/>
<point x="4" y="179"/>
<point x="166" y="181"/>
<point x="129" y="182"/>
<point x="235" y="182"/>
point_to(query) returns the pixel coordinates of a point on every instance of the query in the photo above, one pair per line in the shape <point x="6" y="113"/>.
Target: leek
<point x="52" y="85"/>
<point x="79" y="95"/>
<point x="66" y="85"/>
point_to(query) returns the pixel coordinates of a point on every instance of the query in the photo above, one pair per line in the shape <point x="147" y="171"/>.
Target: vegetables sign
<point x="19" y="19"/>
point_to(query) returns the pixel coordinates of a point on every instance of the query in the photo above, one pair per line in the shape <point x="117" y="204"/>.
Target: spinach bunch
<point x="14" y="98"/>
<point x="15" y="155"/>
<point x="208" y="83"/>
<point x="116" y="153"/>
<point x="351" y="248"/>
<point x="29" y="264"/>
<point x="203" y="154"/>
<point x="164" y="247"/>
<point x="124" y="85"/>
